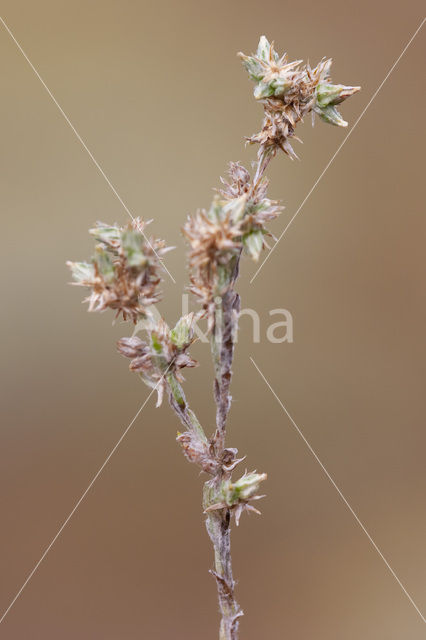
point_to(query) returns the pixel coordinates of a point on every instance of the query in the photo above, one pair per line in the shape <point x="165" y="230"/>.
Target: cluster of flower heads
<point x="124" y="272"/>
<point x="235" y="222"/>
<point x="124" y="275"/>
<point x="289" y="91"/>
<point x="163" y="355"/>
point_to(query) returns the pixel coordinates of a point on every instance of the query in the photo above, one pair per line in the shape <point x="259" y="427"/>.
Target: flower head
<point x="290" y="90"/>
<point x="123" y="273"/>
<point x="236" y="495"/>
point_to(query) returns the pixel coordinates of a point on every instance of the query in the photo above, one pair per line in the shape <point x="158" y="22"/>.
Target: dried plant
<point x="124" y="275"/>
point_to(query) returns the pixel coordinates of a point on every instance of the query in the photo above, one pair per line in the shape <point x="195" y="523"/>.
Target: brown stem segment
<point x="227" y="308"/>
<point x="264" y="156"/>
<point x="219" y="530"/>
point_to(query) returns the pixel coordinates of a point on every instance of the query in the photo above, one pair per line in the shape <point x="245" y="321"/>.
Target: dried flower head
<point x="165" y="352"/>
<point x="289" y="91"/>
<point x="239" y="182"/>
<point x="215" y="240"/>
<point x="258" y="209"/>
<point x="198" y="451"/>
<point x="124" y="272"/>
<point x="234" y="222"/>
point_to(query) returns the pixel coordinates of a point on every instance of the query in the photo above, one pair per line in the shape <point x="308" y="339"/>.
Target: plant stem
<point x="227" y="307"/>
<point x="264" y="156"/>
<point x="218" y="522"/>
<point x="226" y="312"/>
<point x="178" y="402"/>
<point x="212" y="455"/>
<point x="219" y="530"/>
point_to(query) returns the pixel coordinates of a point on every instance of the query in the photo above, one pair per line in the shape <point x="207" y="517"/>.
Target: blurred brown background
<point x="158" y="95"/>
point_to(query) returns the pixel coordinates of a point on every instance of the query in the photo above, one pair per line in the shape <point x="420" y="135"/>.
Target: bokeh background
<point x="158" y="95"/>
